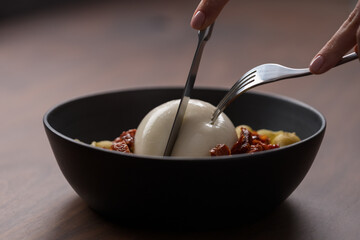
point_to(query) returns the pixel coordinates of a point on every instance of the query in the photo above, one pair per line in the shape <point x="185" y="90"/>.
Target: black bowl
<point x="144" y="189"/>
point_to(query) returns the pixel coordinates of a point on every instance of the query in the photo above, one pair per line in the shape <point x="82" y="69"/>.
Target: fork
<point x="263" y="74"/>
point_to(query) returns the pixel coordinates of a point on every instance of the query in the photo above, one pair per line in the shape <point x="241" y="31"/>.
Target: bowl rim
<point x="174" y="158"/>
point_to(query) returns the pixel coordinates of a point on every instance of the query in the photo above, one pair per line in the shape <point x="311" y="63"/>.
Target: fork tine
<point x="239" y="86"/>
<point x="244" y="78"/>
<point x="235" y="89"/>
<point x="249" y="78"/>
<point x="245" y="83"/>
<point x="246" y="75"/>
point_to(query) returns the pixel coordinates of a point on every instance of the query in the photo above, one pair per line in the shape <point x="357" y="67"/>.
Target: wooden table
<point x="51" y="56"/>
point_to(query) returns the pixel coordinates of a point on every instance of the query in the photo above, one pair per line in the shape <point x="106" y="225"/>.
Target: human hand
<point x="347" y="37"/>
<point x="206" y="13"/>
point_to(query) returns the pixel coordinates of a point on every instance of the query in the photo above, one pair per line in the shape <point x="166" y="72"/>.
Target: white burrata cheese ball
<point x="197" y="135"/>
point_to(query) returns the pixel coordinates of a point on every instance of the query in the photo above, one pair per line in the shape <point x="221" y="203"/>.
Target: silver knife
<point x="204" y="36"/>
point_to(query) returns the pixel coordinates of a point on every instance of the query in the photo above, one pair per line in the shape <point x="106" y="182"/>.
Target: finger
<point x="206" y="13"/>
<point x="342" y="41"/>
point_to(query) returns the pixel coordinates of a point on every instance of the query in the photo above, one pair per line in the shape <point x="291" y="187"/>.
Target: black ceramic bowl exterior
<point x="165" y="189"/>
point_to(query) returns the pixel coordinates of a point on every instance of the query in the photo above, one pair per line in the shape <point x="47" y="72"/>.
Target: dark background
<point x="13" y="8"/>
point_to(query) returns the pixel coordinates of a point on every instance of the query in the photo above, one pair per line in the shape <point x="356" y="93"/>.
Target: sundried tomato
<point x="128" y="137"/>
<point x="220" y="150"/>
<point x="243" y="145"/>
<point x="248" y="142"/>
<point x="120" y="146"/>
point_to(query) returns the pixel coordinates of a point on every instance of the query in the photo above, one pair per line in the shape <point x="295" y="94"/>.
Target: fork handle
<point x="347" y="58"/>
<point x="293" y="73"/>
<point x="301" y="72"/>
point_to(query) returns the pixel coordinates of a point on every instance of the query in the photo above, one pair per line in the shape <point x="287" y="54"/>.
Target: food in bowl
<point x="157" y="190"/>
<point x="197" y="136"/>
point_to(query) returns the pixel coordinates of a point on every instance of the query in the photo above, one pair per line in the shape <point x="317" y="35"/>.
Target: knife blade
<point x="203" y="37"/>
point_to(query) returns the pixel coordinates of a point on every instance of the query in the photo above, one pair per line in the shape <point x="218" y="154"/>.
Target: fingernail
<point x="198" y="20"/>
<point x="316" y="64"/>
